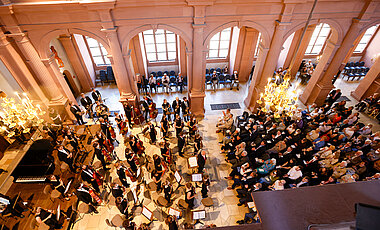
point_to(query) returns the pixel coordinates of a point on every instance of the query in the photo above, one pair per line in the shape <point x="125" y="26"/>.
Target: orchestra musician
<point x="104" y="128"/>
<point x="136" y="145"/>
<point x="98" y="153"/>
<point x="121" y="123"/>
<point x="166" y="109"/>
<point x="190" y="195"/>
<point x="128" y="112"/>
<point x="178" y="124"/>
<point x="55" y="117"/>
<point x="165" y="151"/>
<point x="168" y="190"/>
<point x="185" y="109"/>
<point x="86" y="102"/>
<point x="48" y="217"/>
<point x="99" y="137"/>
<point x="201" y="160"/>
<point x="198" y="143"/>
<point x="157" y="177"/>
<point x="157" y="163"/>
<point x="145" y="106"/>
<point x="57" y="184"/>
<point x="77" y="112"/>
<point x="152" y="132"/>
<point x="131" y="159"/>
<point x="89" y="175"/>
<point x="192" y="123"/>
<point x="181" y="143"/>
<point x="177" y="104"/>
<point x="66" y="156"/>
<point x="117" y="190"/>
<point x="122" y="205"/>
<point x="72" y="139"/>
<point x="96" y="95"/>
<point x="101" y="110"/>
<point x="83" y="194"/>
<point x="120" y="171"/>
<point x="164" y="127"/>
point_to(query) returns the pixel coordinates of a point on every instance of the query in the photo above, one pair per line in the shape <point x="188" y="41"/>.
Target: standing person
<point x="201" y="160"/>
<point x="83" y="194"/>
<point x="235" y="79"/>
<point x="168" y="190"/>
<point x="181" y="143"/>
<point x="128" y="112"/>
<point x="333" y="96"/>
<point x="98" y="153"/>
<point x="86" y="102"/>
<point x="145" y="107"/>
<point x="177" y="106"/>
<point x="190" y="195"/>
<point x="185" y="109"/>
<point x="152" y="132"/>
<point x="178" y="124"/>
<point x="66" y="156"/>
<point x="166" y="109"/>
<point x="180" y="82"/>
<point x="166" y="83"/>
<point x="120" y="171"/>
<point x="48" y="217"/>
<point x="171" y="222"/>
<point x="156" y="177"/>
<point x="198" y="143"/>
<point x="205" y="185"/>
<point x="139" y="82"/>
<point x="214" y="80"/>
<point x="77" y="112"/>
<point x="164" y="127"/>
<point x="96" y="95"/>
<point x="88" y="174"/>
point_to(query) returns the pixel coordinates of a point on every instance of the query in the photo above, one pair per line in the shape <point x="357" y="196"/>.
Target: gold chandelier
<point x="19" y="117"/>
<point x="279" y="98"/>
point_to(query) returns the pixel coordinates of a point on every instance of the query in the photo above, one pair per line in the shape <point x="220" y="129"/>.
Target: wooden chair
<point x="208" y="202"/>
<point x="152" y="186"/>
<point x="47" y="191"/>
<point x="117" y="220"/>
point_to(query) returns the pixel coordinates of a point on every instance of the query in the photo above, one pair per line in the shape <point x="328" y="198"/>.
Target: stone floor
<point x="225" y="211"/>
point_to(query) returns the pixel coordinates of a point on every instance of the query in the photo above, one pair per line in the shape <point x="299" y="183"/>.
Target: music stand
<point x="175" y="212"/>
<point x="178" y="178"/>
<point x="193" y="162"/>
<point x="197" y="215"/>
<point x="197" y="177"/>
<point x="147" y="213"/>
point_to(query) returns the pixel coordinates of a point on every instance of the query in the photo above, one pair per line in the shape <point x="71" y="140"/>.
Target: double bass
<point x="112" y="132"/>
<point x="123" y="127"/>
<point x="138" y="117"/>
<point x="153" y="112"/>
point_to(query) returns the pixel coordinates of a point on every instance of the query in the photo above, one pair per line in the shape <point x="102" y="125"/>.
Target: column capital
<point x="200" y="2"/>
<point x="109" y="30"/>
<point x="199" y="26"/>
<point x="282" y="25"/>
<point x="3" y="40"/>
<point x="48" y="61"/>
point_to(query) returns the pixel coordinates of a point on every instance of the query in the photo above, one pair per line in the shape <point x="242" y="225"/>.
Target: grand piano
<point x="36" y="164"/>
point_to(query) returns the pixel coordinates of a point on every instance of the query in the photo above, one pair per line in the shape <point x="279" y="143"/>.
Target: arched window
<point x="257" y="50"/>
<point x="97" y="51"/>
<point x="318" y="39"/>
<point x="220" y="44"/>
<point x="366" y="39"/>
<point x="160" y="45"/>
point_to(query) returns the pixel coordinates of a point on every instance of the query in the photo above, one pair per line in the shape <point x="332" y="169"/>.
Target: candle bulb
<point x="26" y="96"/>
<point x="39" y="108"/>
<point x="18" y="96"/>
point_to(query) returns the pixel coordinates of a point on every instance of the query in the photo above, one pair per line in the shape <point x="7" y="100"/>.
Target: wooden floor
<point x="35" y="192"/>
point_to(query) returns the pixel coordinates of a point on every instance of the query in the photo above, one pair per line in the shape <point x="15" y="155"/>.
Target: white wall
<point x="85" y="55"/>
<point x="284" y="51"/>
<point x="7" y="82"/>
<point x="216" y="65"/>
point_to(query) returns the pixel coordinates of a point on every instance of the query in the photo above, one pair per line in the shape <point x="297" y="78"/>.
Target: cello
<point x="153" y="112"/>
<point x="138" y="117"/>
<point x="140" y="147"/>
<point x="112" y="132"/>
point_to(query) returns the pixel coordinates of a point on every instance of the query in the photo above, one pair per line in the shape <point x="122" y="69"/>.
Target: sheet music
<point x="174" y="212"/>
<point x="193" y="162"/>
<point x="251" y="204"/>
<point x="68" y="186"/>
<point x="58" y="212"/>
<point x="177" y="176"/>
<point x="196" y="177"/>
<point x="147" y="213"/>
<point x="197" y="215"/>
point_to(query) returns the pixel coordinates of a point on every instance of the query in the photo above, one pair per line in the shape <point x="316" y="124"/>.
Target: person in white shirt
<point x="294" y="173"/>
<point x="166" y="83"/>
<point x="278" y="185"/>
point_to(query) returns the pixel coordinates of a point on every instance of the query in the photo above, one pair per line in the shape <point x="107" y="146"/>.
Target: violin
<point x="123" y="127"/>
<point x="130" y="174"/>
<point x="140" y="147"/>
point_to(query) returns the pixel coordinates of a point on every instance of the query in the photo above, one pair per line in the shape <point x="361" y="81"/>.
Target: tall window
<point x="318" y="39"/>
<point x="220" y="44"/>
<point x="257" y="50"/>
<point x="98" y="52"/>
<point x="160" y="45"/>
<point x="365" y="39"/>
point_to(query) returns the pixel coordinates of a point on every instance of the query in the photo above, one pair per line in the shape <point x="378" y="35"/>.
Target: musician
<point x="166" y="109"/>
<point x="135" y="144"/>
<point x="57" y="184"/>
<point x="77" y="113"/>
<point x="156" y="177"/>
<point x="145" y="106"/>
<point x="190" y="195"/>
<point x="66" y="156"/>
<point x="55" y="117"/>
<point x="164" y="127"/>
<point x="48" y="217"/>
<point x="201" y="160"/>
<point x="86" y="102"/>
<point x="96" y="95"/>
<point x="99" y="154"/>
<point x="198" y="143"/>
<point x="72" y="139"/>
<point x="235" y="80"/>
<point x="131" y="159"/>
<point x="181" y="143"/>
<point x="128" y="112"/>
<point x="157" y="163"/>
<point x="177" y="104"/>
<point x="178" y="124"/>
<point x="122" y="205"/>
<point x="168" y="190"/>
<point x="164" y="148"/>
<point x="104" y="128"/>
<point x="205" y="185"/>
<point x="152" y="132"/>
<point x="185" y="109"/>
<point x="47" y="130"/>
<point x="89" y="175"/>
<point x="117" y="190"/>
<point x="8" y="206"/>
<point x="99" y="137"/>
<point x="102" y="110"/>
<point x="192" y="125"/>
<point x="120" y="171"/>
<point x="83" y="194"/>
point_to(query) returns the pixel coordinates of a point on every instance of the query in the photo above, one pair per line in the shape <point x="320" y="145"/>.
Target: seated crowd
<point x="370" y="105"/>
<point x="316" y="146"/>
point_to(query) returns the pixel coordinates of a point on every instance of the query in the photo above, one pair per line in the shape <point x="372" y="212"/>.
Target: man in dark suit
<point x="201" y="160"/>
<point x="96" y="95"/>
<point x="333" y="96"/>
<point x="83" y="194"/>
<point x="181" y="143"/>
<point x="66" y="156"/>
<point x="120" y="171"/>
<point x="177" y="104"/>
<point x="122" y="205"/>
<point x="185" y="109"/>
<point x="77" y="112"/>
<point x="86" y="102"/>
<point x="98" y="153"/>
<point x="88" y="175"/>
<point x="235" y="80"/>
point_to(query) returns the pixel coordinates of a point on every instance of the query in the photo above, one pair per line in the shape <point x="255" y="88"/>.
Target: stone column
<point x="77" y="62"/>
<point x="197" y="93"/>
<point x="189" y="65"/>
<point x="370" y="84"/>
<point x="16" y="66"/>
<point x="265" y="70"/>
<point x="297" y="58"/>
<point x="182" y="57"/>
<point x="247" y="53"/>
<point x="320" y="83"/>
<point x="136" y="56"/>
<point x="124" y="77"/>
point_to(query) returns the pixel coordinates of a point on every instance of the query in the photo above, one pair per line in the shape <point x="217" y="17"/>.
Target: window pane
<point x="170" y="37"/>
<point x="160" y="38"/>
<point x="95" y="51"/>
<point x="172" y="55"/>
<point x="215" y="37"/>
<point x="108" y="62"/>
<point x="150" y="48"/>
<point x="104" y="51"/>
<point x="92" y="42"/>
<point x="98" y="60"/>
<point x="162" y="56"/>
<point x="317" y="49"/>
<point x="161" y="48"/>
<point x="214" y="45"/>
<point x="224" y="44"/>
<point x="225" y="35"/>
<point x="148" y="32"/>
<point x="308" y="50"/>
<point x="365" y="39"/>
<point x="257" y="45"/>
<point x="151" y="56"/>
<point x="320" y="41"/>
<point x="213" y="53"/>
<point x="325" y="32"/>
<point x="223" y="53"/>
<point x="360" y="48"/>
<point x="148" y="39"/>
<point x="171" y="47"/>
<point x="159" y="31"/>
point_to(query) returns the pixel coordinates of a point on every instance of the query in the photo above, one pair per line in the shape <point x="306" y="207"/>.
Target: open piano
<point x="36" y="164"/>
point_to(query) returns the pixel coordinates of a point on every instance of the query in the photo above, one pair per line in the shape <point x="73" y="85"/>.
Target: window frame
<point x="219" y="59"/>
<point x="369" y="41"/>
<point x="165" y="62"/>
<point x="101" y="52"/>
<point x="324" y="44"/>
